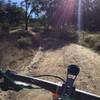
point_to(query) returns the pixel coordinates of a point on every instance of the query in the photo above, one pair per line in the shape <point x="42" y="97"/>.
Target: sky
<point x="18" y="1"/>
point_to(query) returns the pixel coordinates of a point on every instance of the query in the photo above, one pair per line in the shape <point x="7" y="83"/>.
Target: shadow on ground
<point x="46" y="40"/>
<point x="56" y="40"/>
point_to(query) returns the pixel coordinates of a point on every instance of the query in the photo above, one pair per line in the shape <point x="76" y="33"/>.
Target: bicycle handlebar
<point x="12" y="81"/>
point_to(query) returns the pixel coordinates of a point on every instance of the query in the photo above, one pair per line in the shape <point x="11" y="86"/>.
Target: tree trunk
<point x="26" y="23"/>
<point x="26" y="15"/>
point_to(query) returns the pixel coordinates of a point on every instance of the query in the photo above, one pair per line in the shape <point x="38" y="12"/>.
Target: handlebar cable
<point x="51" y="76"/>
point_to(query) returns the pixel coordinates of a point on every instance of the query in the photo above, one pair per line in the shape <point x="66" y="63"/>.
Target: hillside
<point x="51" y="61"/>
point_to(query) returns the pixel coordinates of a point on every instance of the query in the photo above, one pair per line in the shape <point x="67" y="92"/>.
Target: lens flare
<point x="79" y="21"/>
<point x="66" y="11"/>
<point x="79" y="15"/>
<point x="70" y="7"/>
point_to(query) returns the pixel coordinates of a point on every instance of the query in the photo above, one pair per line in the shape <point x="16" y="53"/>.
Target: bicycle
<point x="67" y="91"/>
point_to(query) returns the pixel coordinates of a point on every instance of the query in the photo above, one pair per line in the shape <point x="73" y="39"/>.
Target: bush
<point x="92" y="41"/>
<point x="27" y="43"/>
<point x="69" y="36"/>
<point x="4" y="27"/>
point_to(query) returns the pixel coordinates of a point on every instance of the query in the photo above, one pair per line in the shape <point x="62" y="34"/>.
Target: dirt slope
<point x="55" y="62"/>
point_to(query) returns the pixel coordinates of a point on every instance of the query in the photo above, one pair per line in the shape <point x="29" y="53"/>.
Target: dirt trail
<point x="55" y="62"/>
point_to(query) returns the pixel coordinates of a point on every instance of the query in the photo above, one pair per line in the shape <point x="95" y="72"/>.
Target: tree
<point x="14" y="14"/>
<point x="31" y="6"/>
<point x="2" y="11"/>
<point x="91" y="15"/>
<point x="58" y="13"/>
<point x="10" y="14"/>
